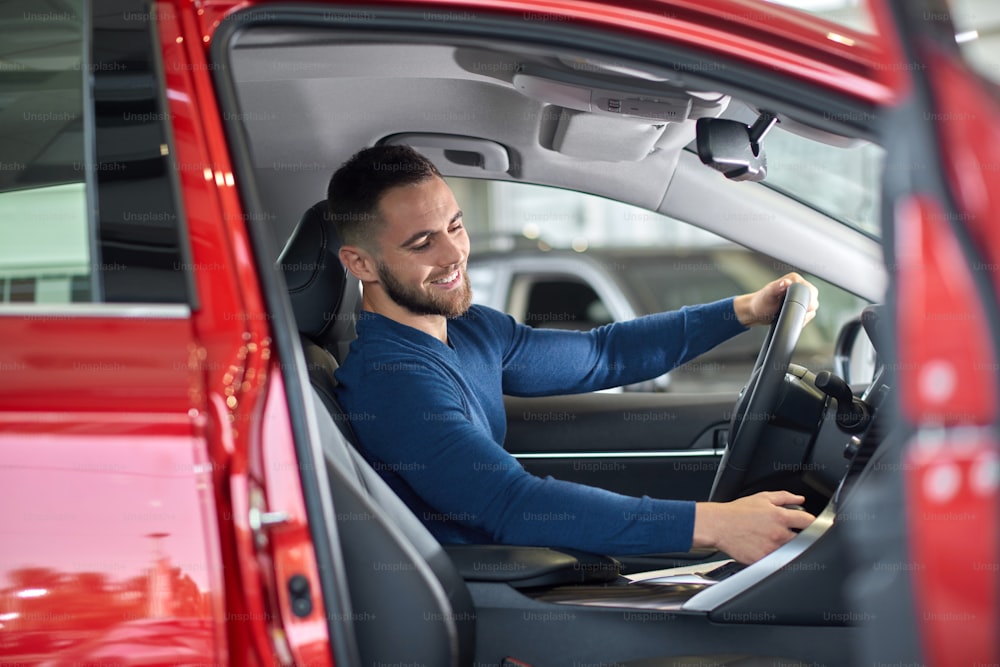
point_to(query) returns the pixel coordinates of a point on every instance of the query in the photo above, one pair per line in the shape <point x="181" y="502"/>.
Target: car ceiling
<point x="308" y="99"/>
<point x="343" y="98"/>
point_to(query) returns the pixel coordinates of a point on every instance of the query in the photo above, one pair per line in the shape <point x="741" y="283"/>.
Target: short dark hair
<point x="356" y="188"/>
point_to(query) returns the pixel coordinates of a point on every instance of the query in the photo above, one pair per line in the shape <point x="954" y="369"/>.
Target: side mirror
<point x="733" y="148"/>
<point x="856" y="350"/>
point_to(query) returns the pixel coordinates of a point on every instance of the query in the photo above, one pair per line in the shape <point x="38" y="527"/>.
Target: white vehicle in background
<point x="565" y="289"/>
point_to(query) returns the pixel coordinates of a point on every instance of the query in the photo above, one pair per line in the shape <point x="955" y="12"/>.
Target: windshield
<point x="841" y="182"/>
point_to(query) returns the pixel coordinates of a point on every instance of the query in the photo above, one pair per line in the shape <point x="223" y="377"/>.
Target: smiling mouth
<point x="448" y="279"/>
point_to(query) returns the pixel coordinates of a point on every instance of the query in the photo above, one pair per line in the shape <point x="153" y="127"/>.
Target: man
<point x="428" y="371"/>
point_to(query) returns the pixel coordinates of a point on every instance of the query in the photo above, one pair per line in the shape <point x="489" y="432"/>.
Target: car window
<point x="669" y="283"/>
<point x="549" y="257"/>
<point x="839" y="181"/>
<point x="87" y="202"/>
<point x="45" y="254"/>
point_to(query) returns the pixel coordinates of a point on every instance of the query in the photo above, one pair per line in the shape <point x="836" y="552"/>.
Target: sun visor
<point x="592" y="136"/>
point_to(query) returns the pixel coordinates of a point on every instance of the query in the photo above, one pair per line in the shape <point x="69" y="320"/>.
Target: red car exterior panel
<point x="951" y="472"/>
<point x="229" y="321"/>
<point x="142" y="426"/>
<point x="968" y="121"/>
<point x="946" y="357"/>
<point x="952" y="481"/>
<point x="108" y="539"/>
<point x="232" y="325"/>
<point x="953" y="501"/>
<point x="97" y="367"/>
<point x="291" y="542"/>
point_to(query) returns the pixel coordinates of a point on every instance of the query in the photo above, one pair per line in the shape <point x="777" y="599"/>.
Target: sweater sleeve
<point x="420" y="426"/>
<point x="542" y="362"/>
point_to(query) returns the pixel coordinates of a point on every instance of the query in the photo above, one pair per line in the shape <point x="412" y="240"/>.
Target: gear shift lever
<point x="852" y="413"/>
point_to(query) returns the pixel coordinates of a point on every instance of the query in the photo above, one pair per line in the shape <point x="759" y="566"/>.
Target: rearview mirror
<point x="733" y="148"/>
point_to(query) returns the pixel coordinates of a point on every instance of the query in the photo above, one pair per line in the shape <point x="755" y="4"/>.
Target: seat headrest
<point x="326" y="298"/>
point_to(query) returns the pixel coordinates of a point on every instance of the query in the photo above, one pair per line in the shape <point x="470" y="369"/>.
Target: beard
<point x="450" y="304"/>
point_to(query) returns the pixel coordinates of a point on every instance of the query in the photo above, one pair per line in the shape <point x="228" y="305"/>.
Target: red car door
<point x="109" y="470"/>
<point x="943" y="240"/>
<point x="136" y="368"/>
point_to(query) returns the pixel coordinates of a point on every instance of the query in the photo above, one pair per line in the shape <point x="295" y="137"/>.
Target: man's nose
<point x="453" y="251"/>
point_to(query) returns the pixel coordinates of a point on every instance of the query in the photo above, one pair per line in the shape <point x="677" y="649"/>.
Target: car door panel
<point x="943" y="247"/>
<point x="662" y="445"/>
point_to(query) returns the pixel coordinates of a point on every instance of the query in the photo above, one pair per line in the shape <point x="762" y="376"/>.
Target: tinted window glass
<point x="139" y="239"/>
<point x="44" y="242"/>
<point x="82" y="224"/>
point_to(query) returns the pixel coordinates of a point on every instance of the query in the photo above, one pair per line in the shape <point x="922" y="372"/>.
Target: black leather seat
<point x="410" y="604"/>
<point x="326" y="298"/>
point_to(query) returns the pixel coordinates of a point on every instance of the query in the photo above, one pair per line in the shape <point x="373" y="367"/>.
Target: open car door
<point x="933" y="538"/>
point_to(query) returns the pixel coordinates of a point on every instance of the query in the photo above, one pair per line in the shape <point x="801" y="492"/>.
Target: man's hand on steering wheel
<point x="748" y="528"/>
<point x="762" y="306"/>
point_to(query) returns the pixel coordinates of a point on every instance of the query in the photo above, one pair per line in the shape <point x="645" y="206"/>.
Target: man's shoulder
<point x="481" y="328"/>
<point x="379" y="347"/>
<point x="373" y="370"/>
<point x="482" y="318"/>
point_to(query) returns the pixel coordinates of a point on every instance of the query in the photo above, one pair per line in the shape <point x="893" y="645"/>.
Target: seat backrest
<point x="409" y="603"/>
<point x="326" y="298"/>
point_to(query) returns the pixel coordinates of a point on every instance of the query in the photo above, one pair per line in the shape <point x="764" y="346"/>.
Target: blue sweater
<point x="430" y="419"/>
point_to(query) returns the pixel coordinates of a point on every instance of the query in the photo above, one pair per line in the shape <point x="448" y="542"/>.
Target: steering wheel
<point x="759" y="398"/>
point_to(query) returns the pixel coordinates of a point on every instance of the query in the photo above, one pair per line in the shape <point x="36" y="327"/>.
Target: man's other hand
<point x="762" y="306"/>
<point x="749" y="528"/>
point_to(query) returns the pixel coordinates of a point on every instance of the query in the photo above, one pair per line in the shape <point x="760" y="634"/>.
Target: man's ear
<point x="360" y="262"/>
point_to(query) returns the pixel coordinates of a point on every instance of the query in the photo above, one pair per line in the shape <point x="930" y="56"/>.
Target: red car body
<point x="132" y="442"/>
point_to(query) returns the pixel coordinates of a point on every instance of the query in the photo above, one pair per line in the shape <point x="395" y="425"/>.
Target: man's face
<point x="423" y="250"/>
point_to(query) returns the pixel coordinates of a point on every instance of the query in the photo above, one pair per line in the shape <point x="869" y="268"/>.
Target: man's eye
<point x="423" y="246"/>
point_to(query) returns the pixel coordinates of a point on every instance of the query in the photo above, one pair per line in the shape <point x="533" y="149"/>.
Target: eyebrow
<point x="427" y="232"/>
